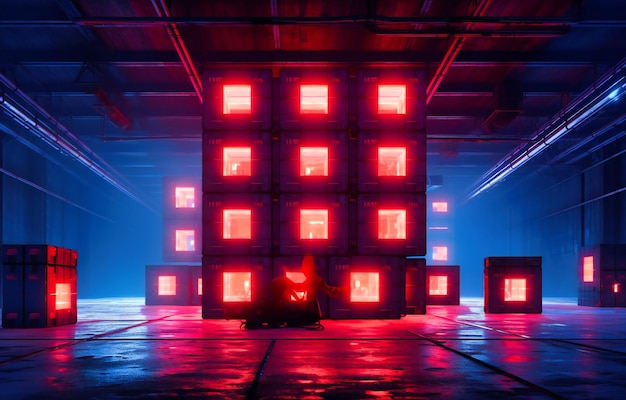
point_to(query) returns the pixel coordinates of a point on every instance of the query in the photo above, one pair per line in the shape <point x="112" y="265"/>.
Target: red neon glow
<point x="364" y="287"/>
<point x="440" y="206"/>
<point x="63" y="301"/>
<point x="438" y="285"/>
<point x="588" y="269"/>
<point x="237" y="161"/>
<point x="440" y="253"/>
<point x="515" y="289"/>
<point x="314" y="161"/>
<point x="185" y="240"/>
<point x="314" y="99"/>
<point x="392" y="224"/>
<point x="237" y="287"/>
<point x="297" y="277"/>
<point x="392" y="99"/>
<point x="185" y="197"/>
<point x="237" y="224"/>
<point x="166" y="285"/>
<point x="199" y="286"/>
<point x="313" y="224"/>
<point x="616" y="287"/>
<point x="392" y="161"/>
<point x="237" y="99"/>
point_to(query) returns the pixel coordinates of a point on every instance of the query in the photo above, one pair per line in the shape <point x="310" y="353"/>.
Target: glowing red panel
<point x="438" y="285"/>
<point x="237" y="287"/>
<point x="166" y="285"/>
<point x="185" y="240"/>
<point x="237" y="99"/>
<point x="237" y="224"/>
<point x="364" y="287"/>
<point x="314" y="161"/>
<point x="313" y="224"/>
<point x="199" y="286"/>
<point x="63" y="301"/>
<point x="297" y="277"/>
<point x="616" y="287"/>
<point x="392" y="99"/>
<point x="440" y="253"/>
<point x="237" y="161"/>
<point x="588" y="269"/>
<point x="440" y="206"/>
<point x="392" y="161"/>
<point x="515" y="289"/>
<point x="185" y="197"/>
<point x="392" y="224"/>
<point x="314" y="99"/>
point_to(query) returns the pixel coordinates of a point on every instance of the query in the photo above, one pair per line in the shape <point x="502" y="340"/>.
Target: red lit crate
<point x="231" y="285"/>
<point x="608" y="291"/>
<point x="245" y="103"/>
<point x="195" y="285"/>
<point x="314" y="162"/>
<point x="66" y="295"/>
<point x="513" y="285"/>
<point x="291" y="266"/>
<point x="391" y="223"/>
<point x="49" y="295"/>
<point x="182" y="239"/>
<point x="315" y="223"/>
<point x="391" y="162"/>
<point x="313" y="99"/>
<point x="236" y="161"/>
<point x="415" y="286"/>
<point x="401" y="103"/>
<point x="169" y="285"/>
<point x="40" y="254"/>
<point x="377" y="287"/>
<point x="443" y="285"/>
<point x="12" y="293"/>
<point x="182" y="197"/>
<point x="236" y="224"/>
<point x="12" y="254"/>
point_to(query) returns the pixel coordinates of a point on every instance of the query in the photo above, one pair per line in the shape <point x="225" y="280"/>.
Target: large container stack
<point x="312" y="161"/>
<point x="40" y="286"/>
<point x="602" y="276"/>
<point x="182" y="227"/>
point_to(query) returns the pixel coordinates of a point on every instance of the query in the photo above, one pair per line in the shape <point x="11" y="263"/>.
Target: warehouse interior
<point x="102" y="104"/>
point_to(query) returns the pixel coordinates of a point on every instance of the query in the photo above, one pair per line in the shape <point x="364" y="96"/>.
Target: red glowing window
<point x="166" y="285"/>
<point x="314" y="99"/>
<point x="237" y="161"/>
<point x="392" y="99"/>
<point x="515" y="289"/>
<point x="364" y="287"/>
<point x="391" y="161"/>
<point x="185" y="197"/>
<point x="588" y="269"/>
<point x="616" y="287"/>
<point x="440" y="206"/>
<point x="297" y="277"/>
<point x="199" y="286"/>
<point x="440" y="253"/>
<point x="237" y="224"/>
<point x="314" y="161"/>
<point x="237" y="99"/>
<point x="438" y="285"/>
<point x="185" y="240"/>
<point x="392" y="224"/>
<point x="63" y="300"/>
<point x="313" y="224"/>
<point x="237" y="287"/>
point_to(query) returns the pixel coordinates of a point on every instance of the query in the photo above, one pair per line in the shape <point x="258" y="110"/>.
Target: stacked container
<point x="602" y="276"/>
<point x="182" y="225"/>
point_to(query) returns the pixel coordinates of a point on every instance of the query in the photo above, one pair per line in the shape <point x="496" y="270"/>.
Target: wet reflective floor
<point x="122" y="349"/>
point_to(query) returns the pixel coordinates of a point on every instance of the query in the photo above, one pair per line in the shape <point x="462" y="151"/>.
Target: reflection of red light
<point x="237" y="99"/>
<point x="297" y="277"/>
<point x="364" y="287"/>
<point x="237" y="224"/>
<point x="440" y="206"/>
<point x="440" y="253"/>
<point x="314" y="99"/>
<point x="392" y="224"/>
<point x="392" y="99"/>
<point x="185" y="240"/>
<point x="237" y="286"/>
<point x="63" y="296"/>
<point x="438" y="285"/>
<point x="185" y="197"/>
<point x="391" y="161"/>
<point x="199" y="286"/>
<point x="313" y="224"/>
<point x="237" y="161"/>
<point x="314" y="161"/>
<point x="588" y="269"/>
<point x="514" y="289"/>
<point x="166" y="285"/>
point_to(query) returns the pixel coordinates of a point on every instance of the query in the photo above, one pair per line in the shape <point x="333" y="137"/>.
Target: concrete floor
<point x="123" y="349"/>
